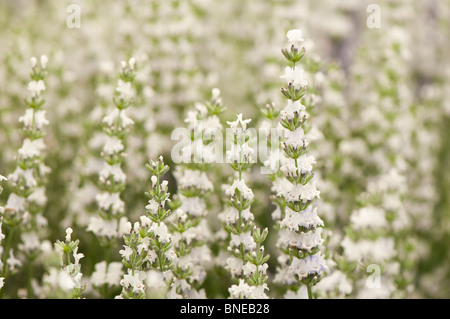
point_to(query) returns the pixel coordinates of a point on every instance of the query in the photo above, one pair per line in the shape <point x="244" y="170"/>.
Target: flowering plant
<point x="186" y="172"/>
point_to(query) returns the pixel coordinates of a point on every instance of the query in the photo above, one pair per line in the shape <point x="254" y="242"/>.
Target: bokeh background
<point x="384" y="100"/>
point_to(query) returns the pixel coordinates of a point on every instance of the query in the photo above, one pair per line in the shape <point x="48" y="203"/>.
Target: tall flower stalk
<point x="148" y="252"/>
<point x="23" y="212"/>
<point x="108" y="226"/>
<point x="68" y="277"/>
<point x="300" y="235"/>
<point x="369" y="245"/>
<point x="2" y="236"/>
<point x="388" y="125"/>
<point x="190" y="228"/>
<point x="158" y="211"/>
<point x="248" y="263"/>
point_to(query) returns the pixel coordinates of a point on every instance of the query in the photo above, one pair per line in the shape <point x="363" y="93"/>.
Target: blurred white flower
<point x="34" y="117"/>
<point x="110" y="201"/>
<point x="125" y="90"/>
<point x="44" y="61"/>
<point x="35" y="87"/>
<point x="294" y="76"/>
<point x="112" y="117"/>
<point x="31" y="148"/>
<point x="295" y="36"/>
<point x="113" y="145"/>
<point x="112" y="170"/>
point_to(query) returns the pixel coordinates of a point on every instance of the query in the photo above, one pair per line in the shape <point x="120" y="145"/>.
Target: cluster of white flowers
<point x="245" y="291"/>
<point x="107" y="275"/>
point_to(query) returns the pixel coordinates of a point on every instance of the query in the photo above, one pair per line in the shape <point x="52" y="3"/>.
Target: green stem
<point x="30" y="292"/>
<point x="296" y="168"/>
<point x="107" y="260"/>
<point x="108" y="254"/>
<point x="68" y="258"/>
<point x="161" y="261"/>
<point x="6" y="252"/>
<point x="310" y="295"/>
<point x="5" y="257"/>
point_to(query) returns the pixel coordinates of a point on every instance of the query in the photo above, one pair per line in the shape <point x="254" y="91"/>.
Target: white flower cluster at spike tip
<point x="239" y="125"/>
<point x="295" y="37"/>
<point x="66" y="282"/>
<point x="300" y="235"/>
